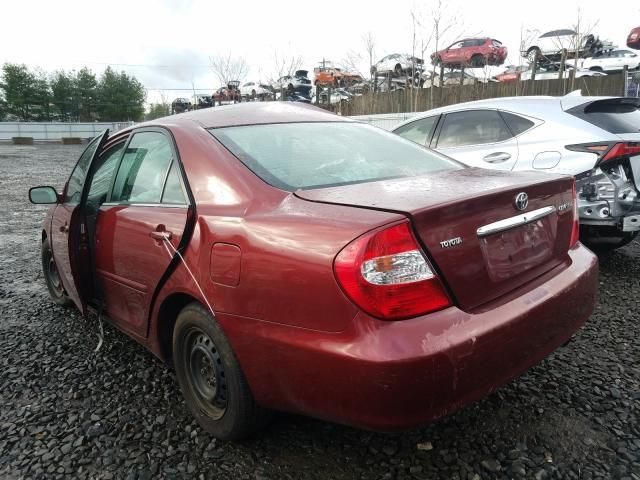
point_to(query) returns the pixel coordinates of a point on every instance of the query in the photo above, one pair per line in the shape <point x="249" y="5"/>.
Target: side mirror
<point x="43" y="195"/>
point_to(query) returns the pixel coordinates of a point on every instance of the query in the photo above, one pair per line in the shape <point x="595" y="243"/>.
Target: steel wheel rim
<point x="206" y="374"/>
<point x="52" y="274"/>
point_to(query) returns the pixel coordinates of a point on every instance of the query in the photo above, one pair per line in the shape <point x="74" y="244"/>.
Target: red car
<point x="471" y="52"/>
<point x="285" y="258"/>
<point x="633" y="40"/>
<point x="511" y="74"/>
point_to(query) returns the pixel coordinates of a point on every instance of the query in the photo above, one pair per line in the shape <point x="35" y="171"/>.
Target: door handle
<point x="160" y="235"/>
<point x="64" y="228"/>
<point x="497" y="157"/>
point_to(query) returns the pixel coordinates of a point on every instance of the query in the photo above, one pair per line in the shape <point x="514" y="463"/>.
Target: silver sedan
<point x="595" y="139"/>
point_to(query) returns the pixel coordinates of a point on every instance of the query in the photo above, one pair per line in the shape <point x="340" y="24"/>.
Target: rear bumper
<point x="397" y="375"/>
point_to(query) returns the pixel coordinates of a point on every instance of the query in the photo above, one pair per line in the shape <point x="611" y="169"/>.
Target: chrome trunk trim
<point x="512" y="222"/>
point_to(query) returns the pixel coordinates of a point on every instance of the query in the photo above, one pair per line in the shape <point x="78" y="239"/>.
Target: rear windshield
<point x="614" y="116"/>
<point x="293" y="156"/>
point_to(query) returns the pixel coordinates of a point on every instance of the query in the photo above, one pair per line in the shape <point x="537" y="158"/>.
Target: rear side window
<point x="293" y="156"/>
<point x="418" y="131"/>
<point x="614" y="116"/>
<point x="474" y="127"/>
<point x="516" y="123"/>
<point x="143" y="169"/>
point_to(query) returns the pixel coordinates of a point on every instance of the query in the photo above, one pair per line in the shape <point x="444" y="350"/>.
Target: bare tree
<point x="284" y="65"/>
<point x="354" y="60"/>
<point x="446" y="25"/>
<point x="228" y="68"/>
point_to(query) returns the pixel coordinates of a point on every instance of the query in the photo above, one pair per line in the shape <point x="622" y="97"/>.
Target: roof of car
<point x="252" y="113"/>
<point x="528" y="104"/>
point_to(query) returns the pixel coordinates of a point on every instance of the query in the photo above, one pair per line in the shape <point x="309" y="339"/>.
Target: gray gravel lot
<point x="69" y="412"/>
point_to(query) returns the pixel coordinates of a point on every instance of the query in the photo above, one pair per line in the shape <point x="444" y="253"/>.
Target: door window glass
<point x="143" y="169"/>
<point x="516" y="123"/>
<point x="473" y="127"/>
<point x="76" y="181"/>
<point x="173" y="192"/>
<point x="418" y="131"/>
<point x="101" y="180"/>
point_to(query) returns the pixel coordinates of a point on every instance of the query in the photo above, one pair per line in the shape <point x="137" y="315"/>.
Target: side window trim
<point x="175" y="158"/>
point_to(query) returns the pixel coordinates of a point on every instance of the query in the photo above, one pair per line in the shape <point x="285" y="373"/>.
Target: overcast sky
<point x="167" y="44"/>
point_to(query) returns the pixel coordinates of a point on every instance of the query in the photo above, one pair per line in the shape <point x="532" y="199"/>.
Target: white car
<point x="453" y="78"/>
<point x="613" y="60"/>
<point x="399" y="64"/>
<point x="551" y="44"/>
<point x="299" y="80"/>
<point x="552" y="71"/>
<point x="337" y="95"/>
<point x="594" y="139"/>
<point x="255" y="90"/>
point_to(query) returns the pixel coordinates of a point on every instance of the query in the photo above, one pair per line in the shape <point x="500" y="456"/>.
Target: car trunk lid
<point x="457" y="218"/>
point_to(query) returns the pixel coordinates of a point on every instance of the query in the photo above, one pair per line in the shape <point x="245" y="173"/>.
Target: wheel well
<point x="167" y="316"/>
<point x="44" y="235"/>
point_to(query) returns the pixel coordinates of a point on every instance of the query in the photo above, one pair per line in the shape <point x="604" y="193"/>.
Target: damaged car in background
<point x="595" y="139"/>
<point x="285" y="258"/>
<point x="551" y="44"/>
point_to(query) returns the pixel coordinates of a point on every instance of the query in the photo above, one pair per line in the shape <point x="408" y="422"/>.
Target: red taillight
<point x="575" y="230"/>
<point x="621" y="150"/>
<point x="385" y="273"/>
<point x="607" y="151"/>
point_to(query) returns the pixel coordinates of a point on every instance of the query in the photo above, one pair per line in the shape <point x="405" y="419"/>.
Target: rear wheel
<point x="52" y="277"/>
<point x="532" y="53"/>
<point x="211" y="380"/>
<point x="398" y="70"/>
<point x="478" y="61"/>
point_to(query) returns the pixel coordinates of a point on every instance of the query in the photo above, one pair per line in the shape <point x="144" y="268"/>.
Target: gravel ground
<point x="118" y="413"/>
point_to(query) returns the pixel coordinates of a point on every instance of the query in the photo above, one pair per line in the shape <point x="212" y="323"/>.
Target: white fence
<point x="43" y="131"/>
<point x="55" y="131"/>
<point x="384" y="120"/>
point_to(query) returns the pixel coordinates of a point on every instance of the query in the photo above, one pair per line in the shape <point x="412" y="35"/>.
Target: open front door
<point x="69" y="232"/>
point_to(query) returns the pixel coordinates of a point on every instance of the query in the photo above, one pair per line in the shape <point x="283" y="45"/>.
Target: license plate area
<point x="514" y="251"/>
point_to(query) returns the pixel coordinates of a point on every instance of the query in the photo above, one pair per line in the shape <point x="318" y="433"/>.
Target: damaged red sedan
<point x="284" y="258"/>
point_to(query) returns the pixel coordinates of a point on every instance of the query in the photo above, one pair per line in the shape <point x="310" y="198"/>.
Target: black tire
<point x="605" y="239"/>
<point x="478" y="61"/>
<point x="397" y="70"/>
<point x="211" y="380"/>
<point x="52" y="277"/>
<point x="531" y="54"/>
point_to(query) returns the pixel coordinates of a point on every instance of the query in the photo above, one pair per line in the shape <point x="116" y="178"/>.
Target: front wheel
<point x="52" y="276"/>
<point x="211" y="380"/>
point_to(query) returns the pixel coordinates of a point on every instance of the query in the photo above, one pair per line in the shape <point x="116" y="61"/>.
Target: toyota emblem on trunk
<point x="522" y="201"/>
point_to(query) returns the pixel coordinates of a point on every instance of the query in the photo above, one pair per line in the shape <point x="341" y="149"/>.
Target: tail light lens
<point x="607" y="151"/>
<point x="385" y="273"/>
<point x="621" y="150"/>
<point x="575" y="230"/>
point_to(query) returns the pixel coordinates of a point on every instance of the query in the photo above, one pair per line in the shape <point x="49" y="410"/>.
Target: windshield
<point x="293" y="156"/>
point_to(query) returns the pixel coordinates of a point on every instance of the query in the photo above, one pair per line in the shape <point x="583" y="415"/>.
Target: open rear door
<point x="78" y="288"/>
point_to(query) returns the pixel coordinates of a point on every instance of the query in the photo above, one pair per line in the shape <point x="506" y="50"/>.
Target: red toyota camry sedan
<point x="284" y="258"/>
